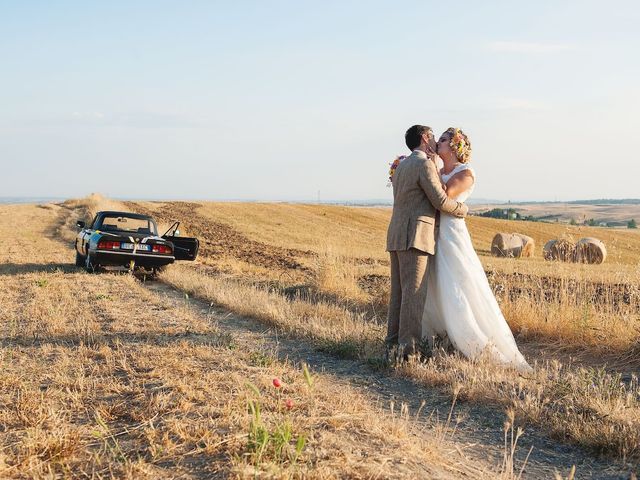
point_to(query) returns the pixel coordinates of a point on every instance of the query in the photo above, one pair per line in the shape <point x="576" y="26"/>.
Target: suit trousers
<point x="408" y="296"/>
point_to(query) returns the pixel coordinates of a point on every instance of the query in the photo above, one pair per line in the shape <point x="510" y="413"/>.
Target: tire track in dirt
<point x="221" y="240"/>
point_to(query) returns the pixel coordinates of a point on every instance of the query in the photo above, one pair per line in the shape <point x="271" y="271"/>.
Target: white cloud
<point x="525" y="47"/>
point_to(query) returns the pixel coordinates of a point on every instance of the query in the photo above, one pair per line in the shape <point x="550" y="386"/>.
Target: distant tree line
<point x="512" y="214"/>
<point x="507" y="214"/>
<point x="592" y="222"/>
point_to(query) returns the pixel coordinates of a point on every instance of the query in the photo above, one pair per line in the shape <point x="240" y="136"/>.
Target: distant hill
<point x="607" y="201"/>
<point x="601" y="212"/>
<point x="490" y="201"/>
<point x="597" y="201"/>
<point x="16" y="200"/>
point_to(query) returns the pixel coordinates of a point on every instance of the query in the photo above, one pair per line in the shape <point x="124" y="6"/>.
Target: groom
<point x="411" y="237"/>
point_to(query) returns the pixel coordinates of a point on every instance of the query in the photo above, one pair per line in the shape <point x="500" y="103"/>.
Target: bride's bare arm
<point x="459" y="183"/>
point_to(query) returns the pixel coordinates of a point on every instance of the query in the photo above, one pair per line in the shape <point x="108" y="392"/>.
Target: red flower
<point x="277" y="383"/>
<point x="288" y="404"/>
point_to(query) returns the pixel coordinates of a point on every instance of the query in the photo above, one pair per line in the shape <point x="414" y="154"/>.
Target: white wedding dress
<point x="460" y="305"/>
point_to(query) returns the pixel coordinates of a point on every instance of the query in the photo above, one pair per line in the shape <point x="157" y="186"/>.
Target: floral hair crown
<point x="459" y="144"/>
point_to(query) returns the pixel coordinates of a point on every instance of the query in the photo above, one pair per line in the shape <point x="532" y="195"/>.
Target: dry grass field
<point x="336" y="254"/>
<point x="104" y="378"/>
<point x="321" y="272"/>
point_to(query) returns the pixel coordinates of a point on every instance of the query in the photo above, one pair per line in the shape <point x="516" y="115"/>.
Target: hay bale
<point x="528" y="245"/>
<point x="590" y="250"/>
<point x="560" y="249"/>
<point x="512" y="245"/>
<point x="547" y="250"/>
<point x="506" y="245"/>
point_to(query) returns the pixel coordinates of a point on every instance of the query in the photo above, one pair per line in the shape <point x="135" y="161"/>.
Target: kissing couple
<point x="439" y="290"/>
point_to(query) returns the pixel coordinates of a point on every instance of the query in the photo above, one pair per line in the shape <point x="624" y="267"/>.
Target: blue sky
<point x="279" y="100"/>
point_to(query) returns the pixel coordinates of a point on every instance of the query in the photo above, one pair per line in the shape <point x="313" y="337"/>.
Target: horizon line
<point x="371" y="200"/>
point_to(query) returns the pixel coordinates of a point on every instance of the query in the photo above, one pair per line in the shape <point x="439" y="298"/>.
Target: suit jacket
<point x="417" y="196"/>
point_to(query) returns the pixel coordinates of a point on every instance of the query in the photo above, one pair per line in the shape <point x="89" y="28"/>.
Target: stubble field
<point x="103" y="377"/>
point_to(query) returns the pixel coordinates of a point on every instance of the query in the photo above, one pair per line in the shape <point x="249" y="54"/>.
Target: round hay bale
<point x="528" y="245"/>
<point x="564" y="250"/>
<point x="561" y="249"/>
<point x="590" y="250"/>
<point x="512" y="245"/>
<point x="547" y="250"/>
<point x="506" y="245"/>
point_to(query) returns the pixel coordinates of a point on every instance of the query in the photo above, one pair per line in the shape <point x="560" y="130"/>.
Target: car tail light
<point x="107" y="245"/>
<point x="161" y="249"/>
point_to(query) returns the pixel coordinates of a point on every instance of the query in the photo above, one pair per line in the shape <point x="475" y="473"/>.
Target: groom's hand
<point x="432" y="186"/>
<point x="431" y="147"/>
<point x="465" y="210"/>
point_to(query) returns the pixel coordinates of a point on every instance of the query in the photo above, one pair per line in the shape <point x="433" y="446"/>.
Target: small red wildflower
<point x="277" y="383"/>
<point x="288" y="404"/>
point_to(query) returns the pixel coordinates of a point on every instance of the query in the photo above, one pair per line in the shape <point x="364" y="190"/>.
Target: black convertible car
<point x="130" y="240"/>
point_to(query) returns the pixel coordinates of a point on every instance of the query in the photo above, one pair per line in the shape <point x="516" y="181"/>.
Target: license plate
<point x="141" y="247"/>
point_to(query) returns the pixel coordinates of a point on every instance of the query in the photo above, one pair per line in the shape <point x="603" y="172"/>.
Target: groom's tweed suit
<point x="411" y="238"/>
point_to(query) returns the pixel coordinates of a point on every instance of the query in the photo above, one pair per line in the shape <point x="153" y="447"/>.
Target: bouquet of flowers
<point x="392" y="167"/>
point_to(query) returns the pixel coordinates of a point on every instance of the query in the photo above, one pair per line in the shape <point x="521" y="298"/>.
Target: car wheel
<point x="158" y="270"/>
<point x="89" y="266"/>
<point x="79" y="260"/>
<point x="155" y="272"/>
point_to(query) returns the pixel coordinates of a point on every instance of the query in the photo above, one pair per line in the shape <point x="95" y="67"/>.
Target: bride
<point x="460" y="305"/>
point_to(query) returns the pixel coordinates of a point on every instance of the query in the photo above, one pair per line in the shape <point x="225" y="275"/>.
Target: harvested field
<point x="103" y="377"/>
<point x="585" y="306"/>
<point x="330" y="293"/>
<point x="221" y="240"/>
<point x="596" y="304"/>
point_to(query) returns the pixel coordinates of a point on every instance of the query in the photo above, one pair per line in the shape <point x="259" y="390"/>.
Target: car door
<point x="184" y="248"/>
